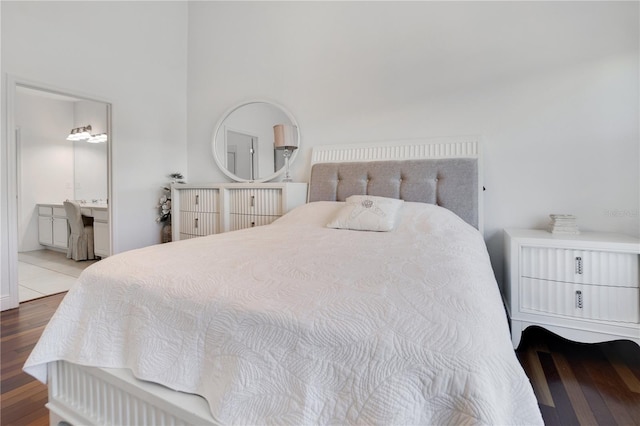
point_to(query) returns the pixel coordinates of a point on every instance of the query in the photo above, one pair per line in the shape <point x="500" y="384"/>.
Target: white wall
<point x="132" y="54"/>
<point x="46" y="160"/>
<point x="552" y="88"/>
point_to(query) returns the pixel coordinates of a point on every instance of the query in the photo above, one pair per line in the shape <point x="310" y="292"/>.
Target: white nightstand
<point x="582" y="287"/>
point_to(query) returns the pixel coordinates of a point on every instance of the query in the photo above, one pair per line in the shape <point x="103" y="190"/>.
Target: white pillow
<point x="367" y="213"/>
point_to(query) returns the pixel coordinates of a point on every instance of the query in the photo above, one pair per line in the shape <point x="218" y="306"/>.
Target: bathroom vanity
<point x="53" y="229"/>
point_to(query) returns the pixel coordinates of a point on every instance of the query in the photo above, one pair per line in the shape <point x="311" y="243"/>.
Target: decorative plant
<point x="164" y="206"/>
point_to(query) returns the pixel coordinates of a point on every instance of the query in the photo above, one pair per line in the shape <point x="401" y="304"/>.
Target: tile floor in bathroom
<point x="45" y="272"/>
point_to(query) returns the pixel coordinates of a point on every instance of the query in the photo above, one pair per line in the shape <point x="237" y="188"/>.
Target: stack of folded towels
<point x="563" y="224"/>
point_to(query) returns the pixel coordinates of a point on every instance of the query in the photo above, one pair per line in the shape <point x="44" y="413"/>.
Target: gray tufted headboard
<point x="445" y="172"/>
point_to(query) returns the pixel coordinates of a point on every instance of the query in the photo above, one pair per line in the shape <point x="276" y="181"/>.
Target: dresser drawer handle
<point x="578" y="299"/>
<point x="253" y="201"/>
<point x="579" y="265"/>
<point x="196" y="222"/>
<point x="197" y="199"/>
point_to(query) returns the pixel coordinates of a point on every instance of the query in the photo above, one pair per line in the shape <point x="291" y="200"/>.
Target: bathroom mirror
<point x="243" y="141"/>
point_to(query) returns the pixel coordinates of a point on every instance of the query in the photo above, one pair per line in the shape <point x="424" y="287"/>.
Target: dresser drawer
<point x="580" y="266"/>
<point x="582" y="301"/>
<point x="199" y="224"/>
<point x="241" y="221"/>
<point x="187" y="236"/>
<point x="45" y="210"/>
<point x="200" y="200"/>
<point x="263" y="201"/>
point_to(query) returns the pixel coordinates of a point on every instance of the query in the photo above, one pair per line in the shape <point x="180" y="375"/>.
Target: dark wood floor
<point x="596" y="384"/>
<point x="23" y="397"/>
<point x="574" y="383"/>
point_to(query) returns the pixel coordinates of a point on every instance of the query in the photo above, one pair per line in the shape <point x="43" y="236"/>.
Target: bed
<point x="300" y="323"/>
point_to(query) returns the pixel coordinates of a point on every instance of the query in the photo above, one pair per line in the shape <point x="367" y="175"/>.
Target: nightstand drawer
<point x="580" y="266"/>
<point x="581" y="301"/>
<point x="262" y="201"/>
<point x="199" y="200"/>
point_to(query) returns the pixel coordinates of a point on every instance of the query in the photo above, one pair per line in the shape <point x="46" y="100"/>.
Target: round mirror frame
<point x="222" y="164"/>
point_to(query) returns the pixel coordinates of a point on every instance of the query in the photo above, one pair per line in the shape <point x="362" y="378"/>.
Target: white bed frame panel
<point x="410" y="149"/>
<point x="82" y="395"/>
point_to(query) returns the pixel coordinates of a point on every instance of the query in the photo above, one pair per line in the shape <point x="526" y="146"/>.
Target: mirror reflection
<point x="90" y="158"/>
<point x="243" y="143"/>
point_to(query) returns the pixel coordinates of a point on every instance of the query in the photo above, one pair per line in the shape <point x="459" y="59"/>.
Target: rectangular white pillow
<point x="367" y="213"/>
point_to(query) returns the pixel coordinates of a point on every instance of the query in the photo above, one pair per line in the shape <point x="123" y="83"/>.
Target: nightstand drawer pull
<point x="579" y="265"/>
<point x="579" y="299"/>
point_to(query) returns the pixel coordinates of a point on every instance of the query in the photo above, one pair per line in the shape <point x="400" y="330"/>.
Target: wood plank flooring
<point x="23" y="397"/>
<point x="582" y="384"/>
<point x="575" y="384"/>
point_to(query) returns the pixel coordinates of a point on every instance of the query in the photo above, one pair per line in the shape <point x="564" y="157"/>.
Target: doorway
<point x="44" y="168"/>
<point x="241" y="154"/>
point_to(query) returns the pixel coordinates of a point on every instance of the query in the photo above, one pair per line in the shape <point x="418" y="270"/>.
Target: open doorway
<point x="45" y="169"/>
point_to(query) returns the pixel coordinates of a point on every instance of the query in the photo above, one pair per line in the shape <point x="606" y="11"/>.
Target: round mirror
<point x="243" y="141"/>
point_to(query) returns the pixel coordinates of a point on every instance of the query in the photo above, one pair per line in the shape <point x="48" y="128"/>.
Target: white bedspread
<point x="296" y="323"/>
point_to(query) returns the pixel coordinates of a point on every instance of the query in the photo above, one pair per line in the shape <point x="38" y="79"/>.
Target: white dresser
<point x="204" y="209"/>
<point x="582" y="287"/>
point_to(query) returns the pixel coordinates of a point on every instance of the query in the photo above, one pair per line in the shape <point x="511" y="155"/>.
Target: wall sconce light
<point x="101" y="137"/>
<point x="285" y="139"/>
<point x="84" y="134"/>
<point x="80" y="133"/>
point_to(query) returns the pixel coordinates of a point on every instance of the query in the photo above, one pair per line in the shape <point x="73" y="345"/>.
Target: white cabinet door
<point x="45" y="231"/>
<point x="101" y="239"/>
<point x="60" y="232"/>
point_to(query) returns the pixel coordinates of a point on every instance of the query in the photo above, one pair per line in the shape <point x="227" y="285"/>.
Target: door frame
<point x="255" y="146"/>
<point x="11" y="300"/>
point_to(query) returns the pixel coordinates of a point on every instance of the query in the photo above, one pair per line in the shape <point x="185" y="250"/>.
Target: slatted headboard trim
<point x="451" y="147"/>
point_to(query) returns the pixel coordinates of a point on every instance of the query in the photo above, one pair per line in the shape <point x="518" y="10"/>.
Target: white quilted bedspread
<point x="295" y="323"/>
